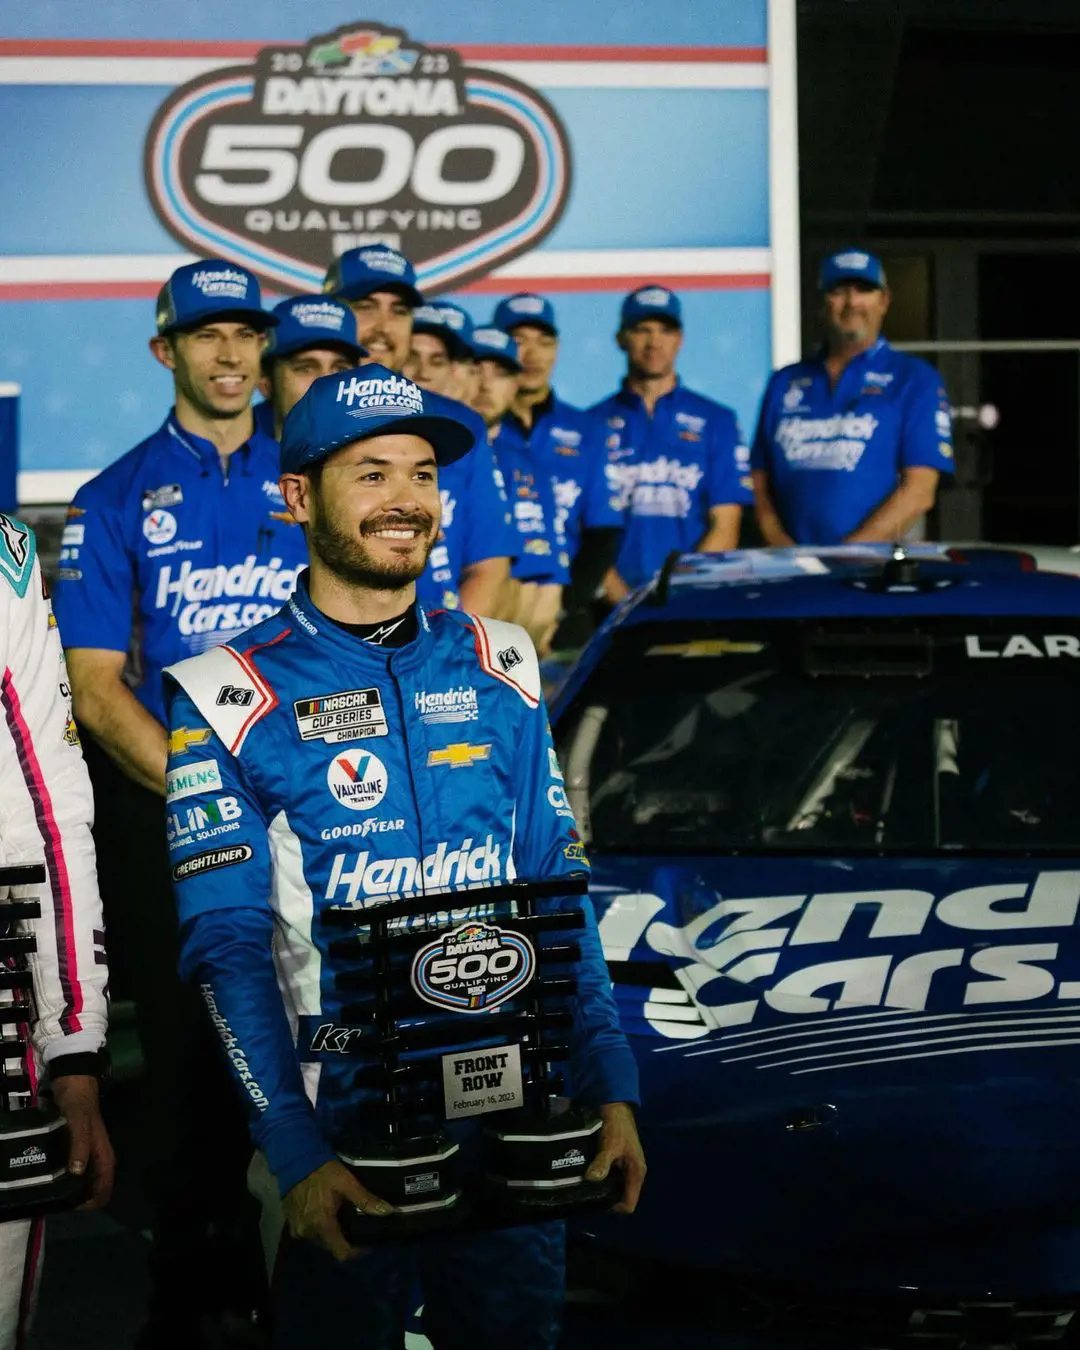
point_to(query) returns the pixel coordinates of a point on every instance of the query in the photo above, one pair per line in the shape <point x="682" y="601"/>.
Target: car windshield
<point x="958" y="735"/>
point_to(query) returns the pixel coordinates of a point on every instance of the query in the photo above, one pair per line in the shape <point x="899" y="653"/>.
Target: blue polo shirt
<point x="834" y="455"/>
<point x="165" y="553"/>
<point x="476" y="517"/>
<point x="668" y="470"/>
<point x="541" y="554"/>
<point x="569" y="442"/>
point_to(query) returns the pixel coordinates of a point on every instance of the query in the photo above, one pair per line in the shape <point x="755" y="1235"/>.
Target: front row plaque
<point x="465" y="1009"/>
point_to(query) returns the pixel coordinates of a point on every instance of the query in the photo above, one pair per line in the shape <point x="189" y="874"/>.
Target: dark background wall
<point x="943" y="135"/>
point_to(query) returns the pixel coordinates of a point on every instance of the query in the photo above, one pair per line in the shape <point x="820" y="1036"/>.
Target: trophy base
<point x="509" y="1203"/>
<point x="418" y="1176"/>
<point x="33" y="1164"/>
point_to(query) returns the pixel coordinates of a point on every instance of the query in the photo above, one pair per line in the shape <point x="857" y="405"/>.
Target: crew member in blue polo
<point x="569" y="442"/>
<point x="850" y="444"/>
<point x="677" y="458"/>
<point x="469" y="567"/>
<point x="540" y="570"/>
<point x="178" y="545"/>
<point x="315" y="335"/>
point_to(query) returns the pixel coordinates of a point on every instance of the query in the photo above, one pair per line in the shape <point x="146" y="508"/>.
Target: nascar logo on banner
<point x="363" y="136"/>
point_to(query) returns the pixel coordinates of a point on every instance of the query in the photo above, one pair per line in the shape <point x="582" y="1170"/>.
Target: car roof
<point x="860" y="580"/>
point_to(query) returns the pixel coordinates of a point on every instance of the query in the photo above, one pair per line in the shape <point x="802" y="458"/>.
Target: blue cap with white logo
<point x="651" y="302"/>
<point x="374" y="267"/>
<point x="200" y="292"/>
<point x="525" y="308"/>
<point x="369" y="401"/>
<point x="449" y="322"/>
<point x="851" y="264"/>
<point x="313" y="321"/>
<point x="492" y="344"/>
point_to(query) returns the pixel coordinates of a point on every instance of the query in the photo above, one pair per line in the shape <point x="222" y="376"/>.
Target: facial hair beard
<point x="345" y="554"/>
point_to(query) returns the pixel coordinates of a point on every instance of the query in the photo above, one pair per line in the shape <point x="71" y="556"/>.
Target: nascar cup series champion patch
<point x="362" y="136"/>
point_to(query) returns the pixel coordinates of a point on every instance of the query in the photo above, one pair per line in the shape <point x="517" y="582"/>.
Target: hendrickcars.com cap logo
<point x="362" y="136"/>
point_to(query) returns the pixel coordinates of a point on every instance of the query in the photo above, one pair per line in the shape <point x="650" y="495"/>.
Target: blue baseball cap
<point x="213" y="289"/>
<point x="525" y="307"/>
<point x="375" y="267"/>
<point x="651" y="302"/>
<point x="851" y="264"/>
<point x="369" y="401"/>
<point x="449" y="322"/>
<point x="313" y="321"/>
<point x="493" y="344"/>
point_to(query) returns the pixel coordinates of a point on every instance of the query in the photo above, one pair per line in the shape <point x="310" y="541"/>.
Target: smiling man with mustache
<point x="354" y="700"/>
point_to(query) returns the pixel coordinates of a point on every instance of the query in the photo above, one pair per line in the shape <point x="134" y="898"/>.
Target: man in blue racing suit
<point x="353" y="748"/>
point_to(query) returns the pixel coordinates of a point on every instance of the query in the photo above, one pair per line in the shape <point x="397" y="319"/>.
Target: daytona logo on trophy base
<point x="362" y="136"/>
<point x="474" y="968"/>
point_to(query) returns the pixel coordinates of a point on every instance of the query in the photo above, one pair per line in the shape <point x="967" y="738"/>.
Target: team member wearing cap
<point x="679" y="459"/>
<point x="379" y="285"/>
<point x="366" y="489"/>
<point x="441" y="345"/>
<point x="542" y="566"/>
<point x="178" y="545"/>
<point x="569" y="444"/>
<point x="315" y="335"/>
<point x="851" y="443"/>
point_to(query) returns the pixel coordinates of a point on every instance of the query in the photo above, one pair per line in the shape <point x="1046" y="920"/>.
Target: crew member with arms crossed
<point x="677" y="457"/>
<point x="569" y="444"/>
<point x="181" y="543"/>
<point x="250" y="900"/>
<point x="851" y="443"/>
<point x="45" y="818"/>
<point x="541" y="569"/>
<point x="379" y="285"/>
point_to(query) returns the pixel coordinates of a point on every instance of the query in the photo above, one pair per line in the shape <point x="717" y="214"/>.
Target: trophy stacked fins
<point x="459" y="1017"/>
<point x="33" y="1137"/>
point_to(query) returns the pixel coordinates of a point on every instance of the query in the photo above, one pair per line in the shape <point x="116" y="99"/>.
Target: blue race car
<point x="832" y="802"/>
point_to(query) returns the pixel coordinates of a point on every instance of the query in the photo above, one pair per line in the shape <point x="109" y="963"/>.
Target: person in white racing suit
<point x="46" y="811"/>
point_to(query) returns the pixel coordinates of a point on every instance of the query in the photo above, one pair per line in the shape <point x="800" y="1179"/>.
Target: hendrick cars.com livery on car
<point x="832" y="802"/>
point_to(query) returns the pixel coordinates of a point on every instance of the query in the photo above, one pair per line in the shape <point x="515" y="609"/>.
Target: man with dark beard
<point x="330" y="777"/>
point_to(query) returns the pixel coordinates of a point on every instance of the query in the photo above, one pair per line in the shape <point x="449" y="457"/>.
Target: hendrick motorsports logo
<point x="474" y="968"/>
<point x="363" y="136"/>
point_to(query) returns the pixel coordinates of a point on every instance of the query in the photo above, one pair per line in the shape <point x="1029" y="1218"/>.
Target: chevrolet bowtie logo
<point x="458" y="756"/>
<point x="183" y="738"/>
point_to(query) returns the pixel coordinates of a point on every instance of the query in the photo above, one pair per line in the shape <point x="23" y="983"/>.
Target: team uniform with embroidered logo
<point x="833" y="455"/>
<point x="447" y="787"/>
<point x="667" y="470"/>
<point x="203" y="553"/>
<point x="541" y="550"/>
<point x="47" y="810"/>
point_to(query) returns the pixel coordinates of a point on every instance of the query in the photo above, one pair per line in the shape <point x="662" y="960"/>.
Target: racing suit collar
<point x="206" y="453"/>
<point x="310" y="623"/>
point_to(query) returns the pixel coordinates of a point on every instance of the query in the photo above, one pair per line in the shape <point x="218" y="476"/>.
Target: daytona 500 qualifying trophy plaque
<point x="460" y="1017"/>
<point x="33" y="1138"/>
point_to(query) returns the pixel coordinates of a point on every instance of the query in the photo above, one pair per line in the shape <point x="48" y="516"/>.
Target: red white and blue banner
<point x="657" y="145"/>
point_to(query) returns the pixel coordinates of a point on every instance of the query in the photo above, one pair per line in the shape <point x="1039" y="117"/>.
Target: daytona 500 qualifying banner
<point x="570" y="147"/>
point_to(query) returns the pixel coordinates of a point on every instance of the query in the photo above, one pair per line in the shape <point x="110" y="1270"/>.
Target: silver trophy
<point x="33" y="1135"/>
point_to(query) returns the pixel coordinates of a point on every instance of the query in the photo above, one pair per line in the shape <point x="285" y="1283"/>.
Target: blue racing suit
<point x="166" y="547"/>
<point x="833" y="455"/>
<point x="542" y="554"/>
<point x="570" y="444"/>
<point x="310" y="769"/>
<point x="669" y="469"/>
